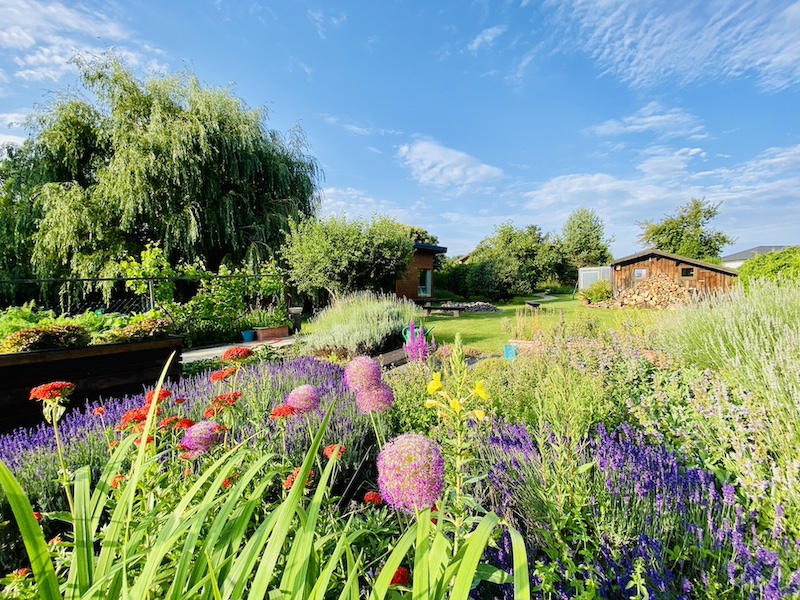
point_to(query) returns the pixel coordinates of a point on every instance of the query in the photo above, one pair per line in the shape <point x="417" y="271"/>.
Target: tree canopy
<point x="583" y="239"/>
<point x="782" y="265"/>
<point x="343" y="256"/>
<point x="167" y="161"/>
<point x="687" y="233"/>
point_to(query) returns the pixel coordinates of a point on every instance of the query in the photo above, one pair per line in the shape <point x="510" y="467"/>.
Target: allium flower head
<point x="303" y="399"/>
<point x="410" y="472"/>
<point x="55" y="390"/>
<point x="236" y="353"/>
<point x="200" y="438"/>
<point x="362" y="373"/>
<point x="377" y="399"/>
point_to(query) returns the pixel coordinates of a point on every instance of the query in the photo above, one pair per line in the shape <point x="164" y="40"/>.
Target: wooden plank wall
<point x="704" y="280"/>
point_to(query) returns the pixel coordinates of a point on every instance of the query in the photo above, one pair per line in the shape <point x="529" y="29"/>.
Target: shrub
<point x="46" y="338"/>
<point x="360" y="323"/>
<point x="772" y="265"/>
<point x="600" y="290"/>
<point x="138" y="331"/>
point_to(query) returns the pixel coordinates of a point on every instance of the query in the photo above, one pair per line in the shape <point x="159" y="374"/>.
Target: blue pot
<point x="510" y="352"/>
<point x="249" y="335"/>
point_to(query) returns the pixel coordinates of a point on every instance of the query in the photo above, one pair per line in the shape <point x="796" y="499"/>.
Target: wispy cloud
<point x="644" y="44"/>
<point x="435" y="165"/>
<point x="322" y="21"/>
<point x="655" y="119"/>
<point x="12" y="120"/>
<point x="486" y="37"/>
<point x="356" y="128"/>
<point x="357" y="204"/>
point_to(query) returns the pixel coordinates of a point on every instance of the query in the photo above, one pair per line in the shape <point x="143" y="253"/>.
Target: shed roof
<point x="676" y="257"/>
<point x="755" y="251"/>
<point x="430" y="248"/>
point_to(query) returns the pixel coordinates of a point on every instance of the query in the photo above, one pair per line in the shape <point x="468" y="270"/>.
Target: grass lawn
<point x="487" y="333"/>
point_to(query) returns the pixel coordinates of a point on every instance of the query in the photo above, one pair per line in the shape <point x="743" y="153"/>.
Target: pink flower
<point x="362" y="373"/>
<point x="410" y="472"/>
<point x="200" y="438"/>
<point x="376" y="399"/>
<point x="303" y="399"/>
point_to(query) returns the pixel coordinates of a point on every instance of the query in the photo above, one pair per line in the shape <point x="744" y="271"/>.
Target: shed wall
<point x="408" y="286"/>
<point x="702" y="280"/>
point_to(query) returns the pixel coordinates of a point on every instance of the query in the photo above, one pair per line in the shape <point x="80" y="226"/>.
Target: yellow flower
<point x="455" y="405"/>
<point x="435" y="385"/>
<point x="479" y="414"/>
<point x="480" y="391"/>
<point x="431" y="403"/>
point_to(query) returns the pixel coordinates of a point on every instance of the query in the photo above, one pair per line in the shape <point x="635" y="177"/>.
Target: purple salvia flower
<point x="304" y="399"/>
<point x="200" y="438"/>
<point x="362" y="373"/>
<point x="728" y="494"/>
<point x="410" y="472"/>
<point x="376" y="399"/>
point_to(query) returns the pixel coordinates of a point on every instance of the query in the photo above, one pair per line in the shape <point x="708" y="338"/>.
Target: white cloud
<point x="486" y="37"/>
<point x="13" y="139"/>
<point x="322" y="22"/>
<point x="356" y="128"/>
<point x="357" y="204"/>
<point x="432" y="164"/>
<point x="645" y="43"/>
<point x="655" y="119"/>
<point x="13" y="120"/>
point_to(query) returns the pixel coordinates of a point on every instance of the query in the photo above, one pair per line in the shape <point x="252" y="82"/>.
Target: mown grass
<point x="489" y="332"/>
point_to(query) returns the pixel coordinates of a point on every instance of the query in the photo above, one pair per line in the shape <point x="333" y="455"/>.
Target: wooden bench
<point x="532" y="305"/>
<point x="456" y="312"/>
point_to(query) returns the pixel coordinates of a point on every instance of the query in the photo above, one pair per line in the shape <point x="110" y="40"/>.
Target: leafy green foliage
<point x="772" y="265"/>
<point x="343" y="256"/>
<point x="166" y="161"/>
<point x="687" y="233"/>
<point x="600" y="290"/>
<point x="46" y="338"/>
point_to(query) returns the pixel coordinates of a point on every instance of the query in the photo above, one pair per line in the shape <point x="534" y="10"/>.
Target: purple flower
<point x="376" y="399"/>
<point x="362" y="373"/>
<point x="304" y="398"/>
<point x="201" y="437"/>
<point x="410" y="472"/>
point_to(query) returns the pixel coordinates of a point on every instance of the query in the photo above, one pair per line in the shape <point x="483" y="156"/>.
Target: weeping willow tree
<point x="166" y="161"/>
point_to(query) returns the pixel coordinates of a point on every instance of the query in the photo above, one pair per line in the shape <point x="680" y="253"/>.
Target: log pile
<point x="657" y="291"/>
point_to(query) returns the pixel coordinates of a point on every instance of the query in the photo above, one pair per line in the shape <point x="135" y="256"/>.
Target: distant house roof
<point x="745" y="254"/>
<point x="430" y="248"/>
<point x="688" y="261"/>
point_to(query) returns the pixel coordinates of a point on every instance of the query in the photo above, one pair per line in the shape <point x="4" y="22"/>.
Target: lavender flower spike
<point x="410" y="472"/>
<point x="200" y="438"/>
<point x="303" y="399"/>
<point x="362" y="373"/>
<point x="376" y="399"/>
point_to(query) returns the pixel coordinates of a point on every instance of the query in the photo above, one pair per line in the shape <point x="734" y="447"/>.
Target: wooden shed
<point x="418" y="281"/>
<point x="693" y="274"/>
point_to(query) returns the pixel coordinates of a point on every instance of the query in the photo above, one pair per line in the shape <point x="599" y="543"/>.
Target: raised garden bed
<point x="97" y="371"/>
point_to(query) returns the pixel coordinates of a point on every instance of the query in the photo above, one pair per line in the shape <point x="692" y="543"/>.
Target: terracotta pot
<point x="271" y="333"/>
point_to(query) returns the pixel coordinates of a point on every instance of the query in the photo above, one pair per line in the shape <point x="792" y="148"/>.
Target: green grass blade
<point x="392" y="562"/>
<point x="471" y="554"/>
<point x="522" y="582"/>
<point x="234" y="584"/>
<point x="32" y="536"/>
<point x="421" y="585"/>
<point x="321" y="584"/>
<point x="81" y="571"/>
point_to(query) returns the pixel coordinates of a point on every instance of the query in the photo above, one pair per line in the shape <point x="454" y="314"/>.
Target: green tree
<point x="783" y="265"/>
<point x="583" y="239"/>
<point x="687" y="233"/>
<point x="166" y="161"/>
<point x="343" y="256"/>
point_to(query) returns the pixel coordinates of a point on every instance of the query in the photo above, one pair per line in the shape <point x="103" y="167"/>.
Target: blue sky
<point x="457" y="116"/>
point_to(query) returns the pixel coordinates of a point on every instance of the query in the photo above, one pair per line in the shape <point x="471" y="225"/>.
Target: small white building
<point x="588" y="275"/>
<point x="736" y="260"/>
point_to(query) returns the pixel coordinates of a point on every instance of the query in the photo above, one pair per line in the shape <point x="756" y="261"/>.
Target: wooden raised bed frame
<point x="106" y="371"/>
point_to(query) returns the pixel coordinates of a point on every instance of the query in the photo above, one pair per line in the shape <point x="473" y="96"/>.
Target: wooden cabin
<point x="693" y="274"/>
<point x="418" y="281"/>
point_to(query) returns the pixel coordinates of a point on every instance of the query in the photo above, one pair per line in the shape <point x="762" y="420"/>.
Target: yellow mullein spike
<point x="435" y="385"/>
<point x="480" y="391"/>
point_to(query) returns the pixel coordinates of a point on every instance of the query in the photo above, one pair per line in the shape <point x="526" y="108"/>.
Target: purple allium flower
<point x="304" y="398"/>
<point x="201" y="437"/>
<point x="362" y="373"/>
<point x="410" y="472"/>
<point x="376" y="399"/>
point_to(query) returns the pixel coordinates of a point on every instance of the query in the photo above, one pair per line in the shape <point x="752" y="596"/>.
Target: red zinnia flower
<point x="135" y="415"/>
<point x="236" y="353"/>
<point x="168" y="421"/>
<point x="183" y="424"/>
<point x="180" y="400"/>
<point x="100" y="410"/>
<point x="373" y="498"/>
<point x="400" y="576"/>
<point x="52" y="391"/>
<point x="282" y="411"/>
<point x="20" y="573"/>
<point x="329" y="450"/>
<point x="113" y="444"/>
<point x="210" y="412"/>
<point x="117" y="480"/>
<point x="150" y="439"/>
<point x="289" y="481"/>
<point x="222" y="375"/>
<point x="162" y="395"/>
<point x="227" y="399"/>
<point x="37" y="516"/>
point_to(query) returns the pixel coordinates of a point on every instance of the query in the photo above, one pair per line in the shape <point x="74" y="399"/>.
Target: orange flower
<point x="100" y="410"/>
<point x="289" y="481"/>
<point x="37" y="516"/>
<point x="117" y="480"/>
<point x="113" y="444"/>
<point x="180" y="400"/>
<point x="373" y="498"/>
<point x="223" y="374"/>
<point x="52" y="391"/>
<point x="162" y="395"/>
<point x="329" y="450"/>
<point x="20" y="573"/>
<point x="227" y="399"/>
<point x="183" y="424"/>
<point x="236" y="353"/>
<point x="282" y="411"/>
<point x="210" y="413"/>
<point x="167" y="421"/>
<point x="149" y="440"/>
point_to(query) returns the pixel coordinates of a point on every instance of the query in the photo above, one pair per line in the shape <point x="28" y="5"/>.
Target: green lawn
<point x="486" y="331"/>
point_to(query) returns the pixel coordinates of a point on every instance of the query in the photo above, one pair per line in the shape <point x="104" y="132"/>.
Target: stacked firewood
<point x="657" y="291"/>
